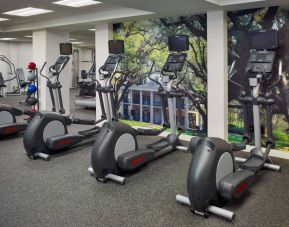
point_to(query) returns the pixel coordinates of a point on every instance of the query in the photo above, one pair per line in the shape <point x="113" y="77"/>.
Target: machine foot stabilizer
<point x="119" y="179"/>
<point x="43" y="156"/>
<point x="228" y="215"/>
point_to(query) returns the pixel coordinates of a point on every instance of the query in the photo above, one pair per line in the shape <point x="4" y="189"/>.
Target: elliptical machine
<point x="115" y="151"/>
<point x="54" y="84"/>
<point x="212" y="178"/>
<point x="47" y="133"/>
<point x="8" y="124"/>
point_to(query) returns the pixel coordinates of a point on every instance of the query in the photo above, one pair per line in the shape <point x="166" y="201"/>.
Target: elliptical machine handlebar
<point x="54" y="72"/>
<point x="41" y="71"/>
<point x="280" y="66"/>
<point x="232" y="72"/>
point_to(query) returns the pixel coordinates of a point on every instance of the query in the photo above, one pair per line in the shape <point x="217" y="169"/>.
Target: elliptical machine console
<point x="212" y="178"/>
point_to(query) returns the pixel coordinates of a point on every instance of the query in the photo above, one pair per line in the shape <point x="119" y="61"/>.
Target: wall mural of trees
<point x="146" y="41"/>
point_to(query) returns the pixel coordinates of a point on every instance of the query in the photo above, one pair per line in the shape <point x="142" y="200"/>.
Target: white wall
<point x="85" y="61"/>
<point x="19" y="53"/>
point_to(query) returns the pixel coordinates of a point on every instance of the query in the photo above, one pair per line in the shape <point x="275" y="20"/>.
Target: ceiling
<point x="78" y="20"/>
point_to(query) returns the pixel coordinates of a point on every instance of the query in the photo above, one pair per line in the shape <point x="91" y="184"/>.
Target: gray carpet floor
<point x="61" y="192"/>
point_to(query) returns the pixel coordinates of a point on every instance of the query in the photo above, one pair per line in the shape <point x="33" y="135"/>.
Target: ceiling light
<point x="76" y="42"/>
<point x="4" y="19"/>
<point x="232" y="2"/>
<point x="26" y="12"/>
<point x="91" y="29"/>
<point x="7" y="39"/>
<point x="72" y="39"/>
<point x="77" y="3"/>
<point x="28" y="36"/>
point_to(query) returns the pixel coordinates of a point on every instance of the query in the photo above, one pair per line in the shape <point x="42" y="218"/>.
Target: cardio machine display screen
<point x="116" y="46"/>
<point x="111" y="62"/>
<point x="175" y="62"/>
<point x="65" y="48"/>
<point x="61" y="63"/>
<point x="178" y="43"/>
<point x="263" y="39"/>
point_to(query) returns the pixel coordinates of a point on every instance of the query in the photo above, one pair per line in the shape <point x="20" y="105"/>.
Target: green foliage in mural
<point x="146" y="41"/>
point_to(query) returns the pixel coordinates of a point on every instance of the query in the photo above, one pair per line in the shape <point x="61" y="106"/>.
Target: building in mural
<point x="141" y="103"/>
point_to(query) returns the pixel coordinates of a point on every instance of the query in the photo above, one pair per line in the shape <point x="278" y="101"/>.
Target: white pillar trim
<point x="217" y="55"/>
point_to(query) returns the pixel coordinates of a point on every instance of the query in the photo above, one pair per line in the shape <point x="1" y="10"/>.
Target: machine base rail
<point x="182" y="148"/>
<point x="229" y="215"/>
<point x="110" y="176"/>
<point x="270" y="166"/>
<point x="44" y="156"/>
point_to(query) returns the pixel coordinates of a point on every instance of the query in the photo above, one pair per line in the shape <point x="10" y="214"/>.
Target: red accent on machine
<point x="137" y="160"/>
<point x="10" y="130"/>
<point x="64" y="142"/>
<point x="242" y="187"/>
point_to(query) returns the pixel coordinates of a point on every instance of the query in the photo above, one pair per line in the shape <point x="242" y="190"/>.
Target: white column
<point x="217" y="74"/>
<point x="46" y="48"/>
<point x="200" y="122"/>
<point x="121" y="105"/>
<point x="130" y="102"/>
<point x="186" y="100"/>
<point x="103" y="33"/>
<point x="140" y="107"/>
<point x="152" y="107"/>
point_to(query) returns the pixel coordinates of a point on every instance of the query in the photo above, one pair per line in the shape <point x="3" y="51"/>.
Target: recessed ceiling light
<point x="26" y="12"/>
<point x="7" y="39"/>
<point x="76" y="42"/>
<point x="4" y="19"/>
<point x="91" y="29"/>
<point x="232" y="2"/>
<point x="77" y="3"/>
<point x="28" y="36"/>
<point x="72" y="39"/>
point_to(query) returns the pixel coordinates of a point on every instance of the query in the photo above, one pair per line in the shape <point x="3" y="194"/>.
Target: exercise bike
<point x="115" y="151"/>
<point x="47" y="133"/>
<point x="213" y="179"/>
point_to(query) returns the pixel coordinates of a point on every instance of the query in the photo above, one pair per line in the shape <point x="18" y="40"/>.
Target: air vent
<point x="211" y="145"/>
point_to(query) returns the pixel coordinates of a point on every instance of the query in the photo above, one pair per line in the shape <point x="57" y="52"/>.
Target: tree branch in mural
<point x="240" y="23"/>
<point x="146" y="41"/>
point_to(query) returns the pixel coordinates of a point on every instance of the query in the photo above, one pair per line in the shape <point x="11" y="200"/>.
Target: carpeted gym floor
<point x="61" y="192"/>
